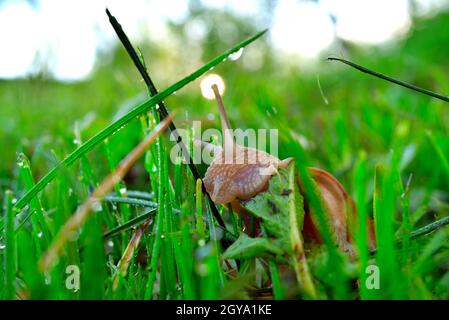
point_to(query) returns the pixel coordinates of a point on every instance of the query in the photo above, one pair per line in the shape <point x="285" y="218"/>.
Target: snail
<point x="239" y="173"/>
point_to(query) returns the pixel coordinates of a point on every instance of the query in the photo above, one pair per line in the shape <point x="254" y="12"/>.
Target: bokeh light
<point x="207" y="83"/>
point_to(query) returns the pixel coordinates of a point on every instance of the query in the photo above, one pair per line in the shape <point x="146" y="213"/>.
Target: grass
<point x="155" y="235"/>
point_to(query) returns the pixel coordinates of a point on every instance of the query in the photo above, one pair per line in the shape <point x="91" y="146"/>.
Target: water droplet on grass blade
<point x="236" y="55"/>
<point x="96" y="206"/>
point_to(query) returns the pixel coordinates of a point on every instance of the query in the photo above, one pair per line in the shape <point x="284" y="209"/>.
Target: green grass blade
<point x="439" y="151"/>
<point x="131" y="201"/>
<point x="37" y="220"/>
<point x="9" y="256"/>
<point x="158" y="232"/>
<point x="199" y="210"/>
<point x="431" y="227"/>
<point x="278" y="288"/>
<point x="384" y="201"/>
<point x="360" y="180"/>
<point x="140" y="109"/>
<point x="131" y="223"/>
<point x="390" y="79"/>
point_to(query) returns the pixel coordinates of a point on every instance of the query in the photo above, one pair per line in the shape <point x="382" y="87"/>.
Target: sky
<point x="66" y="35"/>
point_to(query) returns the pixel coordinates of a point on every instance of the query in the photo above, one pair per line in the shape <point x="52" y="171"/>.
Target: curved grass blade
<point x="140" y="109"/>
<point x="131" y="201"/>
<point x="390" y="79"/>
<point x="136" y="194"/>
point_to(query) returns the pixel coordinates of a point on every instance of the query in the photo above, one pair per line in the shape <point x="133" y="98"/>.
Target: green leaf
<point x="281" y="209"/>
<point x="246" y="247"/>
<point x="272" y="206"/>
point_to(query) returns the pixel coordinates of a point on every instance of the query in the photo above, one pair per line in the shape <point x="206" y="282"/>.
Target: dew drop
<point x="96" y="206"/>
<point x="236" y="55"/>
<point x="47" y="278"/>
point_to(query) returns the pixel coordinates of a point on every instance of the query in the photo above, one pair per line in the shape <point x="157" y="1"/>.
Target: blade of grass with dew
<point x="188" y="257"/>
<point x="124" y="208"/>
<point x="84" y="210"/>
<point x="37" y="219"/>
<point x="276" y="284"/>
<point x="167" y="254"/>
<point x="140" y="109"/>
<point x="93" y="267"/>
<point x="431" y="227"/>
<point x="125" y="260"/>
